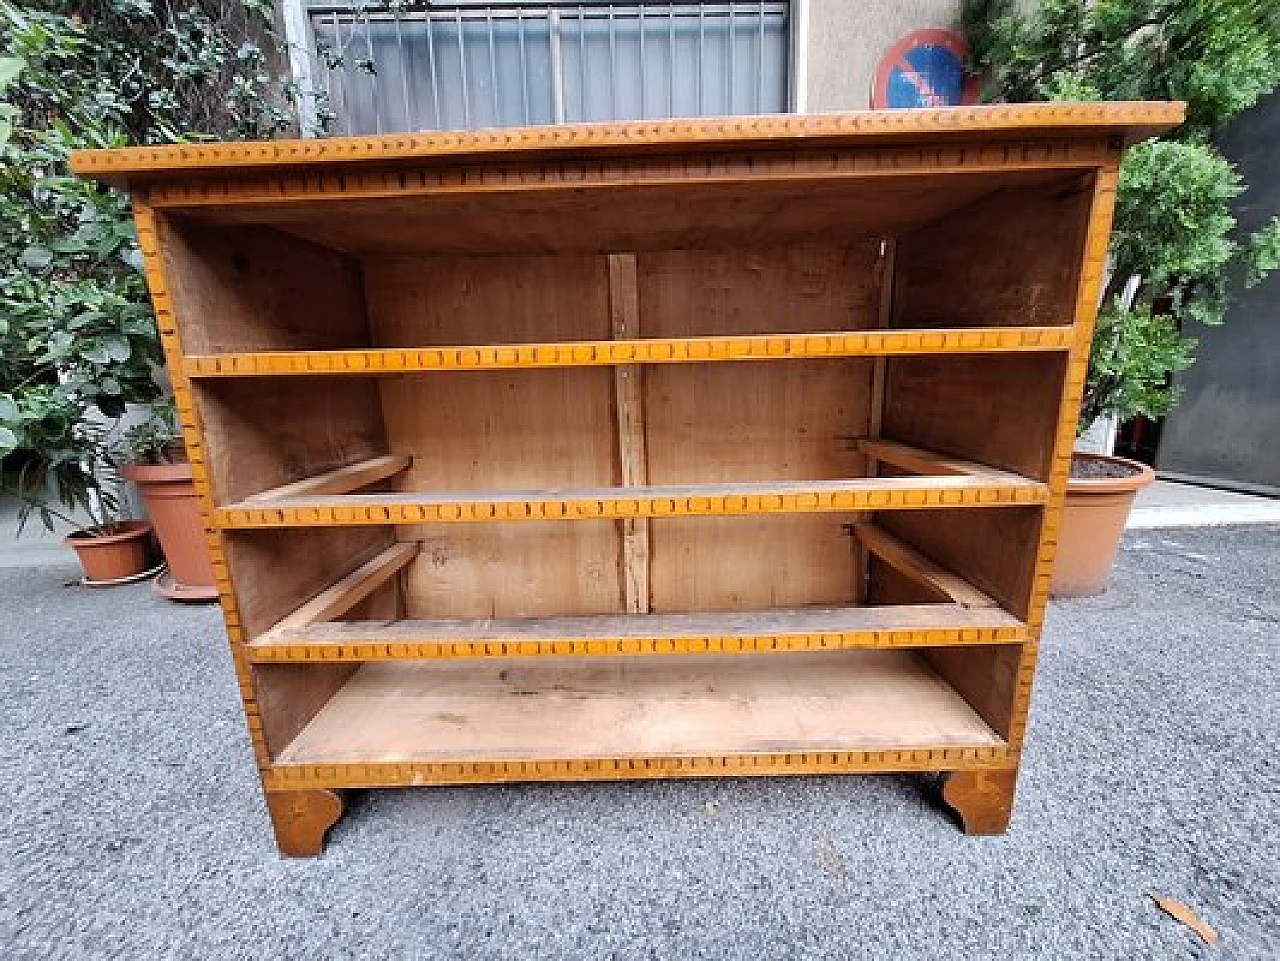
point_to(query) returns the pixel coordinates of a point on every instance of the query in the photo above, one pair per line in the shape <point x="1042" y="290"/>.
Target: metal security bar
<point x="385" y="68"/>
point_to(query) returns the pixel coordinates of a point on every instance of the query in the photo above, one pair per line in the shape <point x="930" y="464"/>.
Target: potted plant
<point x="1174" y="250"/>
<point x="157" y="463"/>
<point x="1134" y="350"/>
<point x="67" y="473"/>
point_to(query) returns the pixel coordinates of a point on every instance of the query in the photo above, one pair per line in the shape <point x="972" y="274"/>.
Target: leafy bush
<point x="1174" y="250"/>
<point x="76" y="328"/>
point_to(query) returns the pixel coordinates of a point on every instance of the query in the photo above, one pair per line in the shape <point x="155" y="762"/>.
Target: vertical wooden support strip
<point x="875" y="414"/>
<point x="624" y="310"/>
<point x="888" y="280"/>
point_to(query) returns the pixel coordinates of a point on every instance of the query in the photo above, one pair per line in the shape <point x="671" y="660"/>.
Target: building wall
<point x="1227" y="424"/>
<point x="846" y="39"/>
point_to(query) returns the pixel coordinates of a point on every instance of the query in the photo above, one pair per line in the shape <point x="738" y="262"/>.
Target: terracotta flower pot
<point x="170" y="496"/>
<point x="116" y="557"/>
<point x="1093" y="520"/>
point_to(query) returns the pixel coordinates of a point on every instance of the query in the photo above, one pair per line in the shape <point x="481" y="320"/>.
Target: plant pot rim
<point x="157" y="473"/>
<point x="1142" y="476"/>
<point x="131" y="531"/>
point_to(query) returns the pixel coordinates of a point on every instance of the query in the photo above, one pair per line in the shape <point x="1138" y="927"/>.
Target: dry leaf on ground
<point x="1176" y="909"/>
<point x="830" y="859"/>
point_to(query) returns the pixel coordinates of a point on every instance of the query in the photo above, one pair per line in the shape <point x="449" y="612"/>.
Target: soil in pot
<point x="1087" y="468"/>
<point x="115" y="557"/>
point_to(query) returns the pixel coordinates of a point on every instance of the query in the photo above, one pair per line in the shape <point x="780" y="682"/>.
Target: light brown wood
<point x="886" y="279"/>
<point x="638" y="708"/>
<point x="1133" y="120"/>
<point x="302" y="819"/>
<point x="956" y="406"/>
<point x="742" y="423"/>
<point x="501" y="429"/>
<point x="624" y="309"/>
<point x="918" y="567"/>
<point x="994" y="553"/>
<point x="329" y="309"/>
<point x="535" y="569"/>
<point x="761" y="200"/>
<point x="384" y="362"/>
<point x="983" y="800"/>
<point x="776" y="629"/>
<point x="591" y="503"/>
<point x="263" y="433"/>
<point x="996" y="261"/>
<point x="340" y="597"/>
<point x="987" y="677"/>
<point x="917" y="460"/>
<point x="258" y="289"/>
<point x="340" y="480"/>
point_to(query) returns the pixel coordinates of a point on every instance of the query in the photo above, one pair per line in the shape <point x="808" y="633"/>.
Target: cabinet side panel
<point x="1000" y="410"/>
<point x="986" y="677"/>
<point x="289" y="696"/>
<point x="256" y="586"/>
<point x="994" y="549"/>
<point x="1011" y="258"/>
<point x="263" y="432"/>
<point x="256" y="288"/>
<point x="276" y="571"/>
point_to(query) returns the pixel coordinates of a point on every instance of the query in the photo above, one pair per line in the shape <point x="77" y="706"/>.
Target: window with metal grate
<point x="386" y="68"/>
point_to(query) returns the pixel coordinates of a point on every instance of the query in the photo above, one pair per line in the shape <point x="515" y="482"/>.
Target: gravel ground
<point x="132" y="826"/>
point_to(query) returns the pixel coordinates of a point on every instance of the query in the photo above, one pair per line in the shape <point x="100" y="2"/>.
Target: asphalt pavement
<point x="131" y="825"/>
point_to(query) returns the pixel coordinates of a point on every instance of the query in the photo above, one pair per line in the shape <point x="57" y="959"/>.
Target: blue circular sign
<point x="924" y="69"/>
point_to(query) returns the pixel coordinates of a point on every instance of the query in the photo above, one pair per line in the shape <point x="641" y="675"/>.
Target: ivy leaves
<point x="76" y="328"/>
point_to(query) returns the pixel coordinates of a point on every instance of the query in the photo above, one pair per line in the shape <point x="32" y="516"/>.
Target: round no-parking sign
<point x="924" y="69"/>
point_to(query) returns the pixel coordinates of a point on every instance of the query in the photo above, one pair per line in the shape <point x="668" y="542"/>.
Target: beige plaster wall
<point x="846" y="39"/>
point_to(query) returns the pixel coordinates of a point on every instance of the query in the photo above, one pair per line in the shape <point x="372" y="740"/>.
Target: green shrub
<point x="1175" y="246"/>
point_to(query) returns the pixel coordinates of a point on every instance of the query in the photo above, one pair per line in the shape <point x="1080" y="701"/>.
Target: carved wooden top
<point x="1130" y="120"/>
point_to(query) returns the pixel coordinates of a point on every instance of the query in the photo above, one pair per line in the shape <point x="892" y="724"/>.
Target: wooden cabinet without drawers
<point x="668" y="449"/>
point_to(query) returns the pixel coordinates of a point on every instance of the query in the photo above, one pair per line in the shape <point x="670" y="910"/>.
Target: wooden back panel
<point x="516" y="429"/>
<point x="706" y="423"/>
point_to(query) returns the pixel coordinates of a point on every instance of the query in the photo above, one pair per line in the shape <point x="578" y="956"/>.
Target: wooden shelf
<point x="781" y="497"/>
<point x="860" y="343"/>
<point x="310" y="634"/>
<point x="637" y="708"/>
<point x="917" y="625"/>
